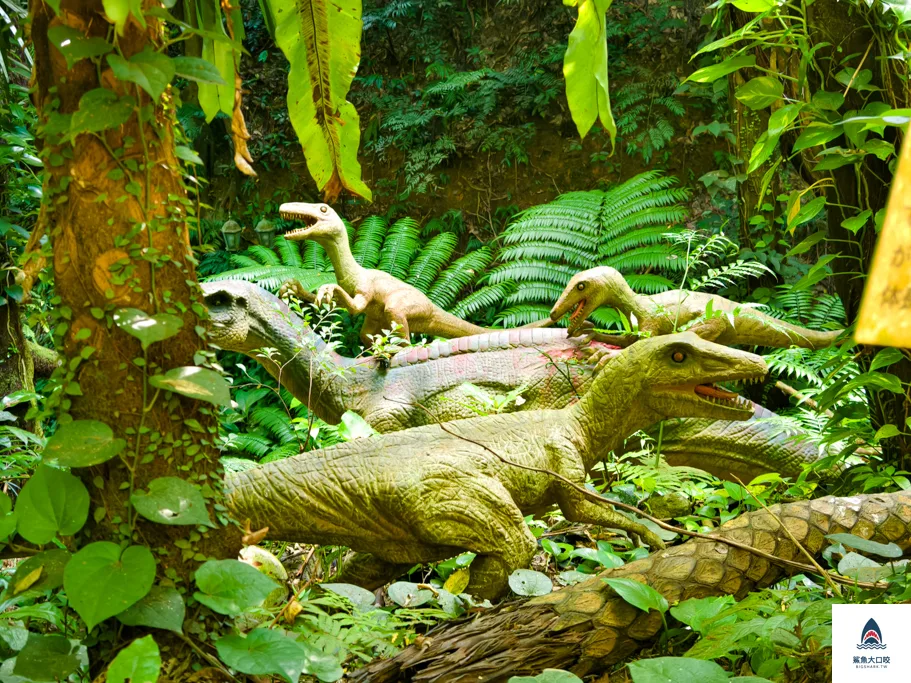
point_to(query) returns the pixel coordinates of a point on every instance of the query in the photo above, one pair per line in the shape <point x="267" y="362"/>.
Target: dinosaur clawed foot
<point x="296" y="289"/>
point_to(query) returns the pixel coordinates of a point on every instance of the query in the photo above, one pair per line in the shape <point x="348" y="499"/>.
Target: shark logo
<point x="871" y="637"/>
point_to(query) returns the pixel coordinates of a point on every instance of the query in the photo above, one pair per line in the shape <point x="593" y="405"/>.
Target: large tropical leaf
<point x="322" y="41"/>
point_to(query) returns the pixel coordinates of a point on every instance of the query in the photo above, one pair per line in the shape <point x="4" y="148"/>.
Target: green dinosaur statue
<point x="383" y="298"/>
<point x="668" y="312"/>
<point x="588" y="628"/>
<point x="550" y="366"/>
<point x="427" y="493"/>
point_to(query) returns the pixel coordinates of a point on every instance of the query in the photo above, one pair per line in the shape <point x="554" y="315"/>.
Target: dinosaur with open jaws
<point x="428" y="493"/>
<point x="552" y="367"/>
<point x="667" y="312"/>
<point x="383" y="298"/>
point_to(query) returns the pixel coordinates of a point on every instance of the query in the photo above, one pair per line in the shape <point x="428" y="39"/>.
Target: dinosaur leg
<point x="295" y="288"/>
<point x="369" y="571"/>
<point x="478" y="514"/>
<point x="577" y="508"/>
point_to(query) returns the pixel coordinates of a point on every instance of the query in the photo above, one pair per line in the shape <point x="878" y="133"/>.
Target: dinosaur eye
<point x="678" y="356"/>
<point x="323" y="208"/>
<point x="580" y="286"/>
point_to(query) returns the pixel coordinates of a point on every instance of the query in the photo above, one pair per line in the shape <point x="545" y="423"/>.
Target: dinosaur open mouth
<point x="577" y="311"/>
<point x="308" y="221"/>
<point x="713" y="394"/>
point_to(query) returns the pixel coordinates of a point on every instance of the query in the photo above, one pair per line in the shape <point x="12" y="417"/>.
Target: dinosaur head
<point x="674" y="376"/>
<point x="319" y="222"/>
<point x="234" y="322"/>
<point x="588" y="291"/>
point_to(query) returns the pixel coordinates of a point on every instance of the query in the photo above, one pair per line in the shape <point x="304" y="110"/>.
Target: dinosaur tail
<point x="449" y="326"/>
<point x="763" y="330"/>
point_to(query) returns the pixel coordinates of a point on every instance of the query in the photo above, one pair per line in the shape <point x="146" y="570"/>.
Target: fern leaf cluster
<point x="624" y="227"/>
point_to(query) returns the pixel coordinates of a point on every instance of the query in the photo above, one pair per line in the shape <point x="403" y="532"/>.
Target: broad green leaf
<point x="782" y="118"/>
<point x="266" y="652"/>
<point x="101" y="580"/>
<point x="353" y="426"/>
<point x="605" y="559"/>
<point x="162" y="608"/>
<point x="101" y="109"/>
<point x="199" y="383"/>
<point x="890" y="117"/>
<point x="199" y="70"/>
<point x="676" y="670"/>
<point x="118" y="11"/>
<point x="37" y="574"/>
<point x="356" y="594"/>
<point x="187" y="154"/>
<point x="881" y="149"/>
<point x="530" y="582"/>
<point x="882" y="549"/>
<point x="886" y="357"/>
<point x="753" y="5"/>
<point x="172" y="500"/>
<point x="548" y="676"/>
<point x="47" y="658"/>
<point x="806" y="244"/>
<point x="148" y="329"/>
<point x="762" y="150"/>
<point x="74" y="46"/>
<point x="585" y="69"/>
<point x="760" y="92"/>
<point x="82" y="443"/>
<point x="408" y="594"/>
<point x="828" y="101"/>
<point x="715" y="71"/>
<point x="886" y="432"/>
<point x="807" y="212"/>
<point x="51" y="502"/>
<point x="855" y="223"/>
<point x="321" y="40"/>
<point x="638" y="594"/>
<point x="695" y="611"/>
<point x="458" y="581"/>
<point x="138" y="662"/>
<point x="7" y="518"/>
<point x="231" y="587"/>
<point x="150" y="70"/>
<point x="861" y="568"/>
<point x="817" y="133"/>
<point x="218" y="50"/>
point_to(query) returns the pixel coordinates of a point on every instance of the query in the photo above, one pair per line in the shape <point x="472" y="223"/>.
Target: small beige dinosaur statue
<point x="669" y="312"/>
<point x="383" y="298"/>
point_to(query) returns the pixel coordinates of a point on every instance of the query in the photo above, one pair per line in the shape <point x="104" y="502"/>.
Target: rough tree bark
<point x="116" y="245"/>
<point x="588" y="627"/>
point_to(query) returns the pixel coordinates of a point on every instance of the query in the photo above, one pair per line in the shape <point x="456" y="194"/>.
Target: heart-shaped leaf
<point x="148" y="329"/>
<point x="101" y="581"/>
<point x="231" y="587"/>
<point x="638" y="594"/>
<point x="163" y="608"/>
<point x="82" y="443"/>
<point x="172" y="500"/>
<point x="47" y="658"/>
<point x="101" y="109"/>
<point x="530" y="582"/>
<point x="51" y="501"/>
<point x="357" y="595"/>
<point x="408" y="594"/>
<point x="548" y="676"/>
<point x="199" y="70"/>
<point x="882" y="549"/>
<point x="150" y="70"/>
<point x="74" y="46"/>
<point x="7" y="517"/>
<point x="138" y="662"/>
<point x="194" y="382"/>
<point x="37" y="574"/>
<point x="674" y="669"/>
<point x="265" y="651"/>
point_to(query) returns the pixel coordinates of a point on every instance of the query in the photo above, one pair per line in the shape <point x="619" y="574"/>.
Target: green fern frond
<point x="728" y="275"/>
<point x="649" y="283"/>
<point x="314" y="256"/>
<point x="432" y="259"/>
<point x="530" y="292"/>
<point x="289" y="252"/>
<point x="368" y="242"/>
<point x="263" y="255"/>
<point x="523" y="314"/>
<point x="275" y="421"/>
<point x="634" y="238"/>
<point x="535" y="271"/>
<point x="287" y="450"/>
<point x="402" y="243"/>
<point x="486" y="297"/>
<point x="273" y="277"/>
<point x="255" y="445"/>
<point x="244" y="261"/>
<point x="549" y="251"/>
<point x="663" y="256"/>
<point x="458" y="276"/>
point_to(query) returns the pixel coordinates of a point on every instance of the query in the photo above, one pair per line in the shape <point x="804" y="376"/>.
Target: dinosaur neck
<point x="346" y="268"/>
<point x="612" y="409"/>
<point x="308" y="367"/>
<point x="625" y="299"/>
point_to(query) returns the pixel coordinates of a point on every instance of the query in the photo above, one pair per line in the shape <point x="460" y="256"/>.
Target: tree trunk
<point x="116" y="213"/>
<point x="16" y="364"/>
<point x="588" y="628"/>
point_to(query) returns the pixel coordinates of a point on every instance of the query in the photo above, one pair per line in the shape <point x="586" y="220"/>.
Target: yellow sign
<point x="885" y="312"/>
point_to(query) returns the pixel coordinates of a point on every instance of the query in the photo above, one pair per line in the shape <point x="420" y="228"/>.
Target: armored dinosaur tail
<point x="489" y="340"/>
<point x="758" y="329"/>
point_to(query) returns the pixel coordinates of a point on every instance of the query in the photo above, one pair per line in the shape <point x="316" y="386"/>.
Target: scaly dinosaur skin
<point x="587" y="628"/>
<point x="246" y="318"/>
<point x="384" y="299"/>
<point x="670" y="311"/>
<point x="428" y="493"/>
